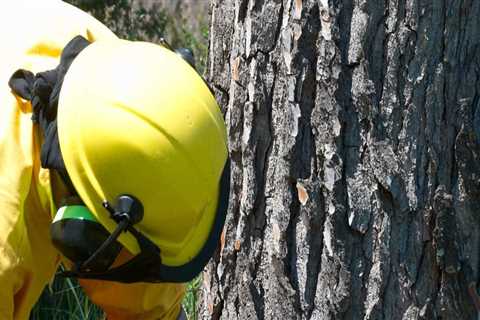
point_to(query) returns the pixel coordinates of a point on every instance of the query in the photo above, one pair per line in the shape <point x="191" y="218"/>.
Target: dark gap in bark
<point x="289" y="262"/>
<point x="387" y="203"/>
<point x="258" y="300"/>
<point x="217" y="311"/>
<point x="475" y="108"/>
<point x="223" y="98"/>
<point x="384" y="311"/>
<point x="315" y="239"/>
<point x="262" y="155"/>
<point x="242" y="10"/>
<point x="307" y="59"/>
<point x="344" y="25"/>
<point x="258" y="4"/>
<point x="375" y="48"/>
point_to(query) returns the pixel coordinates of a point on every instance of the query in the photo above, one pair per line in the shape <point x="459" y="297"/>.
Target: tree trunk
<point x="354" y="131"/>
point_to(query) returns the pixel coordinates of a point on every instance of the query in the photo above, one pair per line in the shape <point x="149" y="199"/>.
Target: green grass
<point x="64" y="299"/>
<point x="191" y="298"/>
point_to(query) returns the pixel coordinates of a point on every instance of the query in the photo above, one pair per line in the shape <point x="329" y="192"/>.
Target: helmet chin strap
<point x="122" y="226"/>
<point x="144" y="267"/>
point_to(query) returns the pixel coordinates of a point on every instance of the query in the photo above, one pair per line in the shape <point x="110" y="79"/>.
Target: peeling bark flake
<point x="302" y="193"/>
<point x="298" y="9"/>
<point x="235" y="68"/>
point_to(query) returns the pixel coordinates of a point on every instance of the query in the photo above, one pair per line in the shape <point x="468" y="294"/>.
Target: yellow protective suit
<point x="32" y="35"/>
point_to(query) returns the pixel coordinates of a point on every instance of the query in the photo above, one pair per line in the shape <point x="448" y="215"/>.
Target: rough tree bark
<point x="354" y="131"/>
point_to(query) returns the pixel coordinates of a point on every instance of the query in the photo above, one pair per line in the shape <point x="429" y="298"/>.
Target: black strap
<point x="141" y="268"/>
<point x="43" y="90"/>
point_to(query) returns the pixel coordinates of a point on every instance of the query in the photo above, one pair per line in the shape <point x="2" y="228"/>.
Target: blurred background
<point x="184" y="24"/>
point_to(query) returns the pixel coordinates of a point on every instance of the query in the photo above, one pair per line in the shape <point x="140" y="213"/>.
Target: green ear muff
<point x="76" y="233"/>
<point x="74" y="212"/>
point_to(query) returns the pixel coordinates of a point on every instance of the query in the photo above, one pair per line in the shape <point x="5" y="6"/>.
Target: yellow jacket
<point x="28" y="260"/>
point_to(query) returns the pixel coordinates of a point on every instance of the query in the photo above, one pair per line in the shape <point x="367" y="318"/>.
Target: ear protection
<point x="81" y="238"/>
<point x="77" y="234"/>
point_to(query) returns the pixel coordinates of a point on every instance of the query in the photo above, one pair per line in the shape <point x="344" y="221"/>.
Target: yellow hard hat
<point x="134" y="118"/>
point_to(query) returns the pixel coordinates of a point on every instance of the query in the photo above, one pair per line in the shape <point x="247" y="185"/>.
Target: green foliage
<point x="182" y="37"/>
<point x="128" y="19"/>
<point x="190" y="300"/>
<point x="131" y="20"/>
